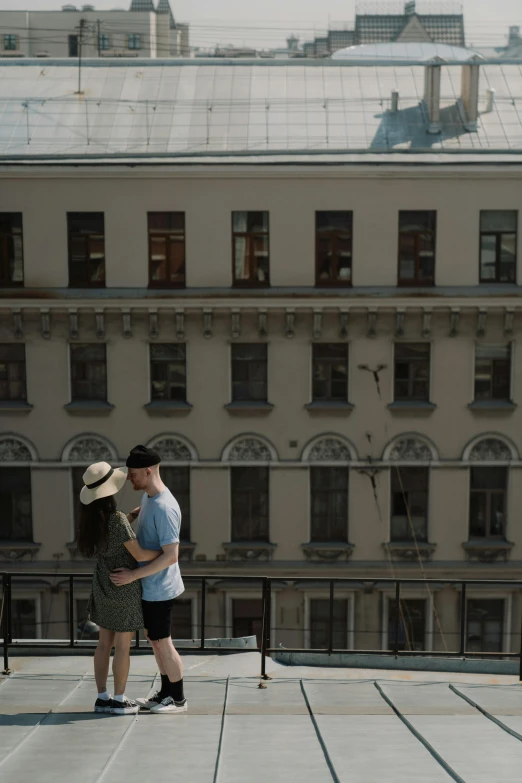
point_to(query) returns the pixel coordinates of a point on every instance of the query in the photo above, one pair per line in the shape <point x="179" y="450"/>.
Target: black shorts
<point x="156" y="616"/>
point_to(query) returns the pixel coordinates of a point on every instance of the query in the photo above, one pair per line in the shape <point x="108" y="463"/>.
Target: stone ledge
<point x="412" y="406"/>
<point x="329" y="406"/>
<point x="15" y="406"/>
<point x="167" y="408"/>
<point x="249" y="550"/>
<point x="15" y="550"/>
<point x="492" y="406"/>
<point x="320" y="551"/>
<point x="486" y="550"/>
<point x="248" y="407"/>
<point x="408" y="551"/>
<point x="89" y="408"/>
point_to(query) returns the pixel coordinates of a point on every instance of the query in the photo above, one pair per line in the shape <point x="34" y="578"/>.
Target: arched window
<point x="329" y="448"/>
<point x="177" y="454"/>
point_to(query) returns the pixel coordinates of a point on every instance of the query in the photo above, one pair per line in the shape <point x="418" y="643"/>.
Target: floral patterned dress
<point x="111" y="607"/>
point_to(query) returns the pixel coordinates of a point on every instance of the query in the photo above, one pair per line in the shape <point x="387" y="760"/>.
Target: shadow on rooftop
<point x="409" y="128"/>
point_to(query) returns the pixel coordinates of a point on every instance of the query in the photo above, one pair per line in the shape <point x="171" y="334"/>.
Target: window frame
<point x="327" y="539"/>
<point x="417" y="281"/>
<point x="6" y="280"/>
<point x="166" y="236"/>
<point x="335" y="240"/>
<point x="73" y="398"/>
<point x="248" y="363"/>
<point x="489" y="495"/>
<point x="25" y="595"/>
<point x="329" y="363"/>
<point x="15" y="363"/>
<point x="8" y="39"/>
<point x="233" y="469"/>
<point x="498" y="242"/>
<point x="132" y="40"/>
<point x="27" y="468"/>
<point x="104" y="38"/>
<point x="413" y="595"/>
<point x="492" y="398"/>
<point x="507" y="598"/>
<point x="244" y="595"/>
<point x="166" y="362"/>
<point x="251" y="282"/>
<point x="340" y="592"/>
<point x="393" y="471"/>
<point x="411" y="379"/>
<point x="88" y="238"/>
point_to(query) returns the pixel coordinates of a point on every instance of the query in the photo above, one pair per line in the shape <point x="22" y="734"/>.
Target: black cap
<point x="142" y="457"/>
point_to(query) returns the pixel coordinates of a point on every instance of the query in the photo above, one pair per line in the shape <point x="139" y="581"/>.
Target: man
<point x="159" y="519"/>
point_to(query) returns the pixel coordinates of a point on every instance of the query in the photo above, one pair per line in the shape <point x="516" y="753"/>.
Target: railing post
<point x="330" y="619"/>
<point x="71" y="611"/>
<point x="263" y="632"/>
<point x="397" y="616"/>
<point x="520" y="671"/>
<point x="268" y="613"/>
<point x="462" y="646"/>
<point x="203" y="611"/>
<point x="5" y="621"/>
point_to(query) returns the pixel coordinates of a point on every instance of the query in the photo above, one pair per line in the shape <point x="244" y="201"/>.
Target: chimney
<point x="432" y="74"/>
<point x="514" y="35"/>
<point x="470" y="92"/>
<point x="395" y="101"/>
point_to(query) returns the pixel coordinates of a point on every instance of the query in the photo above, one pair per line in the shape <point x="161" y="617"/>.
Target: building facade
<point x="142" y="31"/>
<point x="327" y="357"/>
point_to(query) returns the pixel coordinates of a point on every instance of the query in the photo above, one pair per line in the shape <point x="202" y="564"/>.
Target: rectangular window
<point x="333" y="248"/>
<point x="177" y="479"/>
<point x="249" y="493"/>
<point x="168" y="372"/>
<point x="250" y="248"/>
<point x="104" y="42"/>
<point x="498" y="246"/>
<point x="73" y="46"/>
<point x="485" y="625"/>
<point x="493" y="372"/>
<point x="88" y="372"/>
<point x="86" y="232"/>
<point x="320" y="623"/>
<point x="77" y="486"/>
<point x="417" y="247"/>
<point x="249" y="372"/>
<point x="23" y="618"/>
<point x="329" y="503"/>
<point x="134" y="41"/>
<point x="181" y="619"/>
<point x="12" y="372"/>
<point x="487" y="506"/>
<point x="409" y="504"/>
<point x="11" y="249"/>
<point x="330" y="372"/>
<point x="16" y="520"/>
<point x="166" y="249"/>
<point x="412" y="372"/>
<point x="10" y="42"/>
<point x="412" y="624"/>
<point x="247" y="618"/>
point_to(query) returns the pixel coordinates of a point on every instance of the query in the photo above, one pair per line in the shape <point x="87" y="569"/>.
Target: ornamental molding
<point x="249" y="551"/>
<point x="329" y="448"/>
<point x="249" y="448"/>
<point x="484" y="552"/>
<point x="16" y="449"/>
<point x="410" y="448"/>
<point x="172" y="449"/>
<point x="490" y="450"/>
<point x="409" y="552"/>
<point x="327" y="552"/>
<point x="89" y="449"/>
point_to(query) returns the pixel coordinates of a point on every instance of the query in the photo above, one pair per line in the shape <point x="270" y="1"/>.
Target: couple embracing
<point x="136" y="578"/>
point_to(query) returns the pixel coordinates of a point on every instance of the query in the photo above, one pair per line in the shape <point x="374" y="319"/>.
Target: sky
<point x="249" y="22"/>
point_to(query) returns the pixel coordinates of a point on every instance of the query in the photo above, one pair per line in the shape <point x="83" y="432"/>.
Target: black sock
<point x="165" y="685"/>
<point x="176" y="690"/>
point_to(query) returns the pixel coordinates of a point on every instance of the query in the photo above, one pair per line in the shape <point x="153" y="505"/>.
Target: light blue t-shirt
<point x="158" y="524"/>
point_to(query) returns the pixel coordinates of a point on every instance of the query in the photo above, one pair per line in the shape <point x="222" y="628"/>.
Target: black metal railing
<point x="265" y="582"/>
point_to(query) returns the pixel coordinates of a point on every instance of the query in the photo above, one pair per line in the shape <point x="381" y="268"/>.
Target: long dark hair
<point x="94" y="530"/>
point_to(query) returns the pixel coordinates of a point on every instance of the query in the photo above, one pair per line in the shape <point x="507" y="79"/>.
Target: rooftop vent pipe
<point x="432" y="73"/>
<point x="395" y="101"/>
<point x="490" y="99"/>
<point x="470" y="93"/>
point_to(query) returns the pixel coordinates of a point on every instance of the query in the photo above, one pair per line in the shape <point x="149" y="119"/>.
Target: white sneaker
<point x="125" y="707"/>
<point x="168" y="705"/>
<point x="150" y="701"/>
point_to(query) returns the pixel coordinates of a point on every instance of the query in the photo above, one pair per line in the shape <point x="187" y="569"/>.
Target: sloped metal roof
<point x="441" y="28"/>
<point x="406" y="52"/>
<point x="204" y="108"/>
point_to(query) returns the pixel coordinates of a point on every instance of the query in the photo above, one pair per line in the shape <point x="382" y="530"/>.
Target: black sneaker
<point x="102" y="705"/>
<point x="151" y="701"/>
<point x="125" y="707"/>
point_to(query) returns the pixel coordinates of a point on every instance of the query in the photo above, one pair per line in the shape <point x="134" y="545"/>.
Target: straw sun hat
<point x="101" y="481"/>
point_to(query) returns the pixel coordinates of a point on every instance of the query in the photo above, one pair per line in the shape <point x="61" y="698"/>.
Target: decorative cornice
<point x="409" y="551"/>
<point x="487" y="550"/>
<point x="327" y="551"/>
<point x="249" y="550"/>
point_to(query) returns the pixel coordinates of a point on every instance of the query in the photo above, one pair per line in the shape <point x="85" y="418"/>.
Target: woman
<point x="106" y="532"/>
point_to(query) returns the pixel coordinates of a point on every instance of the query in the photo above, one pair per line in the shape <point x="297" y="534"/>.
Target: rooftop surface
<point x="203" y="109"/>
<point x="309" y="724"/>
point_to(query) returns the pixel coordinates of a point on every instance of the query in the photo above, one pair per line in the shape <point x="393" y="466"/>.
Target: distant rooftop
<point x="251" y="108"/>
<point x="406" y="52"/>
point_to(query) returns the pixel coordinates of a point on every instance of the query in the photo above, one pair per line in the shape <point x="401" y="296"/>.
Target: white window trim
<point x="347" y="595"/>
<point x="239" y="595"/>
<point x="27" y="595"/>
<point x="505" y="596"/>
<point x="414" y="595"/>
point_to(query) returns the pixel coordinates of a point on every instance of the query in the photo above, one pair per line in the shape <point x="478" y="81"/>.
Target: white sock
<point x="119" y="697"/>
<point x="104" y="695"/>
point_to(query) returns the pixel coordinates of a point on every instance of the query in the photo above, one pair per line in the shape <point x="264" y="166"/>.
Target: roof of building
<point x="308" y="724"/>
<point x="142" y="5"/>
<point x="440" y="28"/>
<point x="246" y="108"/>
<point x="163" y="7"/>
<point x="406" y="52"/>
